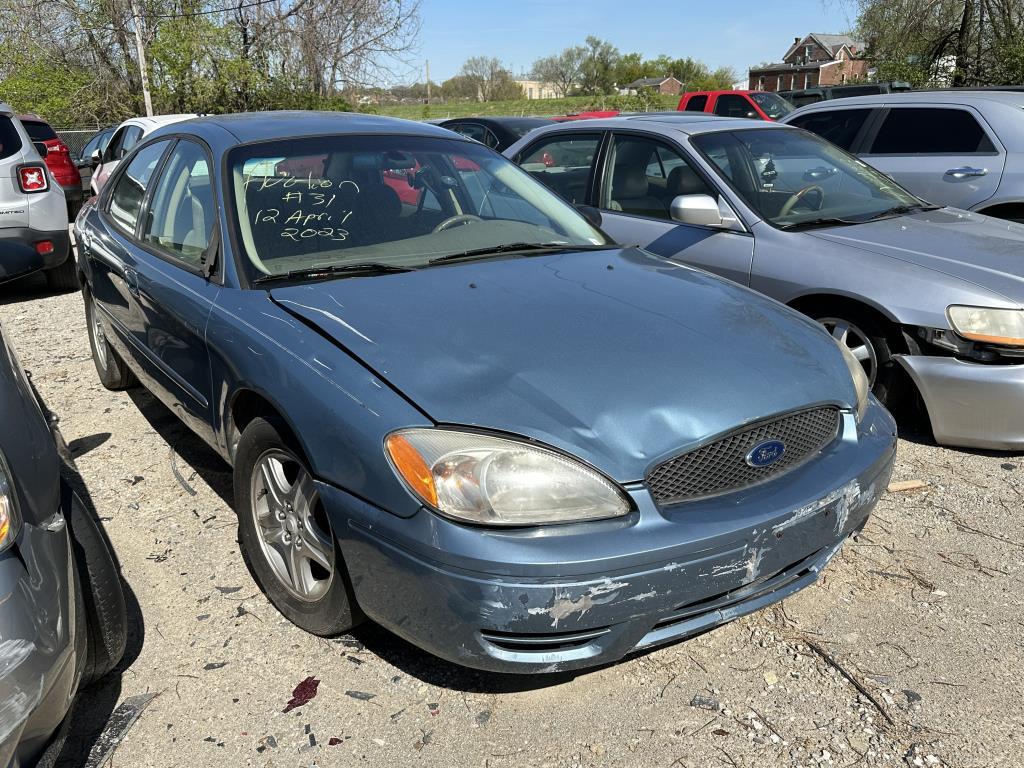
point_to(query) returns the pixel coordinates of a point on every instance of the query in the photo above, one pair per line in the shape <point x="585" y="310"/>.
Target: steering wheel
<point x="797" y="196"/>
<point x="454" y="221"/>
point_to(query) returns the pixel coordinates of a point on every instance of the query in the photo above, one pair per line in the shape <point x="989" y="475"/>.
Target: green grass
<point x="520" y="107"/>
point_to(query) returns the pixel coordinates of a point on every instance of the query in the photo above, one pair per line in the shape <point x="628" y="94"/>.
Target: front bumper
<point x="574" y="596"/>
<point x="38" y="655"/>
<point x="60" y="238"/>
<point x="971" y="405"/>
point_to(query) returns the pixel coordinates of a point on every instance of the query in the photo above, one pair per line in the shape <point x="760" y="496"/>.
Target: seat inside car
<point x="631" y="192"/>
<point x="683" y="180"/>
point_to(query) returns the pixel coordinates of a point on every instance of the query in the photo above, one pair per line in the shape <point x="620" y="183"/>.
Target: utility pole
<point x="428" y="81"/>
<point x="140" y="48"/>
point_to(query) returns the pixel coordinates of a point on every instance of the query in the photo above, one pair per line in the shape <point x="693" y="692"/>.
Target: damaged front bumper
<point x="567" y="597"/>
<point x="970" y="404"/>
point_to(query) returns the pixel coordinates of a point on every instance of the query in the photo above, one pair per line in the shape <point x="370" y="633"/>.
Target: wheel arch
<point x="828" y="301"/>
<point x="248" y="403"/>
<point x="1013" y="210"/>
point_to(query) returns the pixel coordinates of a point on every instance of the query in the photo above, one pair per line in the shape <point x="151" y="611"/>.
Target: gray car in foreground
<point x="924" y="296"/>
<point x="62" y="611"/>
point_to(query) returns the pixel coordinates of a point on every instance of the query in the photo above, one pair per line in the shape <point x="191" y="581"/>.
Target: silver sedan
<point x="929" y="299"/>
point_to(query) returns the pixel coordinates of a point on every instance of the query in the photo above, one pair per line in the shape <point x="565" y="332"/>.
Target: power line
<point x="210" y="12"/>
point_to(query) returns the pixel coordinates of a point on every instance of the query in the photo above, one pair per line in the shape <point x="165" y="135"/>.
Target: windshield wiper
<point x="533" y="248"/>
<point x="334" y="270"/>
<point x="814" y="223"/>
<point x="899" y="210"/>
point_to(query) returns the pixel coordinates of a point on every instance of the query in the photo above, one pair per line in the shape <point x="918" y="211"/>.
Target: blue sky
<point x="734" y="33"/>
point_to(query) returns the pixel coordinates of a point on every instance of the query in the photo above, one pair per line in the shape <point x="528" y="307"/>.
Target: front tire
<point x="286" y="535"/>
<point x="106" y="617"/>
<point x="110" y="368"/>
<point x="874" y="346"/>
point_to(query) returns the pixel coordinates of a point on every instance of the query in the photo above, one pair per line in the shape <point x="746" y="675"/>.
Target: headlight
<point x="994" y="326"/>
<point x="860" y="379"/>
<point x="491" y="480"/>
<point x="10" y="520"/>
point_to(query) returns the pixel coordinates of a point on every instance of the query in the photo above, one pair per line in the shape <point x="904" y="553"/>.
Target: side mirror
<point x="17" y="260"/>
<point x="698" y="210"/>
<point x="95" y="158"/>
<point x="591" y="214"/>
<point x="41" y="148"/>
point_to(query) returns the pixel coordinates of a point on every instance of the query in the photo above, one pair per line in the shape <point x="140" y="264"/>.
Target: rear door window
<point x="126" y="198"/>
<point x="840" y="126"/>
<point x="10" y="139"/>
<point x="564" y="163"/>
<point x="696" y="104"/>
<point x="931" y="131"/>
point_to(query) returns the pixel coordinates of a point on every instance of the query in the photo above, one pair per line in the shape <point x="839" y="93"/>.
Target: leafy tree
<point x="599" y="65"/>
<point x="563" y="70"/>
<point x="489" y="78"/>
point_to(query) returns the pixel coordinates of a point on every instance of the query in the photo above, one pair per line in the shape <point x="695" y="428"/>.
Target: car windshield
<point x="793" y="178"/>
<point x="773" y="105"/>
<point x="400" y="201"/>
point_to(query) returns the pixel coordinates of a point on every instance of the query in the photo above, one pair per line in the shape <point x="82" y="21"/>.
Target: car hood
<point x="618" y="357"/>
<point x="984" y="251"/>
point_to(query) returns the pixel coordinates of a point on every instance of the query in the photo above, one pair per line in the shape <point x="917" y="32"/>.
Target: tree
<point x="492" y="80"/>
<point x="563" y="70"/>
<point x="599" y="63"/>
<point x="945" y="42"/>
<point x="201" y="55"/>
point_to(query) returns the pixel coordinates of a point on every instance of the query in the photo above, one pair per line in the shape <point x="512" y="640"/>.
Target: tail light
<point x="44" y="247"/>
<point x="33" y="178"/>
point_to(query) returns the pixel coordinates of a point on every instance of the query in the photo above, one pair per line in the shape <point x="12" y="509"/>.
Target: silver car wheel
<point x="291" y="530"/>
<point x="99" y="339"/>
<point x="858" y="342"/>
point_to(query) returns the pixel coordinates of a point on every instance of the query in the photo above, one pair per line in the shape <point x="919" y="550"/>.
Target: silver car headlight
<point x="10" y="519"/>
<point x="477" y="478"/>
<point x="992" y="326"/>
<point x="860" y="379"/>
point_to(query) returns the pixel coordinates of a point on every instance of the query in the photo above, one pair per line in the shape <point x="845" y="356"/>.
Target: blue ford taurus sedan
<point x="453" y="406"/>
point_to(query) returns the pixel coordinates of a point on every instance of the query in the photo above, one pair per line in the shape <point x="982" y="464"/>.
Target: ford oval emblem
<point x="765" y="454"/>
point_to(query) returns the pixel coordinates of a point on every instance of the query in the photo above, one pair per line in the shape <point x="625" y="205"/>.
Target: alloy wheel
<point x="99" y="339"/>
<point x="294" y="534"/>
<point x="857" y="341"/>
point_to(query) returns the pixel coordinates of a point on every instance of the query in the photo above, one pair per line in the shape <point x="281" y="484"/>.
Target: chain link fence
<point x="76" y="138"/>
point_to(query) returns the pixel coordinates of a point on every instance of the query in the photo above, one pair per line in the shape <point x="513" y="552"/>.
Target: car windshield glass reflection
<point x="327" y="202"/>
<point x="794" y="179"/>
<point x="773" y="105"/>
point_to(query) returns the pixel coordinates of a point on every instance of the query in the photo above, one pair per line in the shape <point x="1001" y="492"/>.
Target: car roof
<point x="738" y="91"/>
<point x="1009" y="98"/>
<point x="260" y="126"/>
<point x="687" y="123"/>
<point x="155" y="121"/>
<point x="6" y="109"/>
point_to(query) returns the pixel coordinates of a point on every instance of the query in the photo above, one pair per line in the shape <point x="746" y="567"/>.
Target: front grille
<point x="721" y="466"/>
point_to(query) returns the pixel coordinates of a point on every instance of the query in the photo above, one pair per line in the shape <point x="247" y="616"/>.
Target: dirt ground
<point x="908" y="651"/>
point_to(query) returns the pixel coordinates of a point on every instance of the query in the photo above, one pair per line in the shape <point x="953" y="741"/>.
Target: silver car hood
<point x="984" y="251"/>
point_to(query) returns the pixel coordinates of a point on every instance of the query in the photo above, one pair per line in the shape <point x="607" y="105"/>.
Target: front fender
<point x="339" y="411"/>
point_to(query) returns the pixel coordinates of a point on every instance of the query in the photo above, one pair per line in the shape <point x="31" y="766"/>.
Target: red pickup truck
<point x="755" y="105"/>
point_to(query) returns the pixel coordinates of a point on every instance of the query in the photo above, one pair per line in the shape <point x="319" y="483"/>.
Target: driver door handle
<point x="966" y="172"/>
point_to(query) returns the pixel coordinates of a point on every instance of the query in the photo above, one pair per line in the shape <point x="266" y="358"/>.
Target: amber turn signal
<point x="412" y="468"/>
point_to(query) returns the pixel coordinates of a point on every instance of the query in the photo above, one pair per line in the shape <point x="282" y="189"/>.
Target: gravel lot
<point x="921" y="617"/>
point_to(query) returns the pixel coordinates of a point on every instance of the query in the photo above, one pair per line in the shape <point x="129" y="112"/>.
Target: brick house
<point x="815" y="59"/>
<point x="664" y="85"/>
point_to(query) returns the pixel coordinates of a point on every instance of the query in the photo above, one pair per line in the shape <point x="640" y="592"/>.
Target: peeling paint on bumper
<point x="569" y="597"/>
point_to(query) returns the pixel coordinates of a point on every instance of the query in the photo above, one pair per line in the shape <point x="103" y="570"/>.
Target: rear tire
<point x="110" y="368"/>
<point x="106" y="616"/>
<point x="63" y="277"/>
<point x="282" y="525"/>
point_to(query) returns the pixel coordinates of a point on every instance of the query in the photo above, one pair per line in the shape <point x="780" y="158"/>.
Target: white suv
<point x="33" y="210"/>
<point x="961" y="148"/>
<point x="126" y="135"/>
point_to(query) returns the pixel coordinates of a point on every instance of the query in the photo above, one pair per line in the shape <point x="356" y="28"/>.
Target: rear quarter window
<point x="38" y="131"/>
<point x="10" y="139"/>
